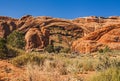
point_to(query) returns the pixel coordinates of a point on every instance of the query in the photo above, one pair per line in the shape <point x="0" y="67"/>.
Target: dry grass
<point x="36" y="73"/>
<point x="111" y="74"/>
<point x="64" y="67"/>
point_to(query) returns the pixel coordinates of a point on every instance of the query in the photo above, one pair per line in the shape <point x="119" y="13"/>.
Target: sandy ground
<point x="8" y="72"/>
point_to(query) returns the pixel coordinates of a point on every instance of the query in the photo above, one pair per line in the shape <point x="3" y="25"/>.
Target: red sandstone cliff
<point x="88" y="34"/>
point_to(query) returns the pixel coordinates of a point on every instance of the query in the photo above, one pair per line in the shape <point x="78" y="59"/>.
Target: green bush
<point x="57" y="49"/>
<point x="49" y="48"/>
<point x="106" y="49"/>
<point x="2" y="44"/>
<point x="3" y="48"/>
<point x="6" y="51"/>
<point x="12" y="52"/>
<point x="16" y="39"/>
<point x="100" y="51"/>
<point x="111" y="74"/>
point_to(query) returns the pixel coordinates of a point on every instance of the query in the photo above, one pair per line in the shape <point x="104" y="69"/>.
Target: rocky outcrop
<point x="36" y="39"/>
<point x="47" y="29"/>
<point x="5" y="18"/>
<point x="7" y="25"/>
<point x="27" y="22"/>
<point x="88" y="34"/>
<point x="106" y="36"/>
<point x="6" y="28"/>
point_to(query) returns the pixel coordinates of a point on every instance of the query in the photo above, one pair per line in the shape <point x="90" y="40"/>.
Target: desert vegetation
<point x="54" y="64"/>
<point x="69" y="67"/>
<point x="21" y="58"/>
<point x="61" y="66"/>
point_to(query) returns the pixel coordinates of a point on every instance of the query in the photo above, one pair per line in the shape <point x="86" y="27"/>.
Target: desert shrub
<point x="80" y="66"/>
<point x="35" y="73"/>
<point x="12" y="52"/>
<point x="65" y="50"/>
<point x="57" y="49"/>
<point x="88" y="65"/>
<point x="28" y="58"/>
<point x="100" y="50"/>
<point x="3" y="48"/>
<point x="16" y="39"/>
<point x="106" y="49"/>
<point x="111" y="74"/>
<point x="6" y="51"/>
<point x="106" y="62"/>
<point x="73" y="68"/>
<point x="49" y="48"/>
<point x="55" y="65"/>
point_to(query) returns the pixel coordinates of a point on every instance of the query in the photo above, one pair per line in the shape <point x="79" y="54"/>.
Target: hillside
<point x="41" y="31"/>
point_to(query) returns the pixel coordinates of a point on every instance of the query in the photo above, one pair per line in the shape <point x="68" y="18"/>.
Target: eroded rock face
<point x="7" y="25"/>
<point x="88" y="34"/>
<point x="106" y="36"/>
<point x="35" y="38"/>
<point x="27" y="22"/>
<point x="6" y="28"/>
<point x="47" y="29"/>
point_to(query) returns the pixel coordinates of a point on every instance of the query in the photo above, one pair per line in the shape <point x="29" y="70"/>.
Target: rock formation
<point x="36" y="39"/>
<point x="106" y="36"/>
<point x="44" y="29"/>
<point x="6" y="28"/>
<point x="7" y="25"/>
<point x="88" y="34"/>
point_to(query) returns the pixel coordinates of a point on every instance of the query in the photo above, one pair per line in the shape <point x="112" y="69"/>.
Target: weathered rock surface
<point x="6" y="28"/>
<point x="106" y="36"/>
<point x="7" y="25"/>
<point x="35" y="38"/>
<point x="88" y="34"/>
<point x="39" y="31"/>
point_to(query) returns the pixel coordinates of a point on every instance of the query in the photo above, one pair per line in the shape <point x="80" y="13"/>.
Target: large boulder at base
<point x="36" y="39"/>
<point x="106" y="36"/>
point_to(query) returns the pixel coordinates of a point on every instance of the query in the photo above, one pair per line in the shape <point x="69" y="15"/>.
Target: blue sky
<point x="59" y="8"/>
